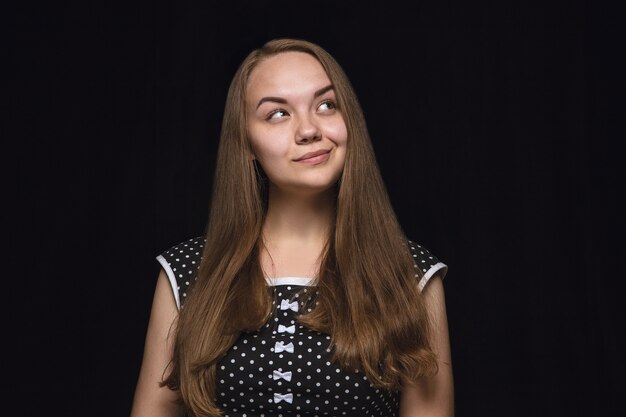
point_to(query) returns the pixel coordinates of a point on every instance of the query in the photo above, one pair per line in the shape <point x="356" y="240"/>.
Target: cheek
<point x="337" y="132"/>
<point x="266" y="145"/>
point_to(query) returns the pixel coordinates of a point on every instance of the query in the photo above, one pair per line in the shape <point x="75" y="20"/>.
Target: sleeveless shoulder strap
<point x="427" y="263"/>
<point x="181" y="263"/>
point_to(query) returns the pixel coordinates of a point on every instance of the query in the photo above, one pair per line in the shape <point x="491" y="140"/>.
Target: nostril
<point x="309" y="139"/>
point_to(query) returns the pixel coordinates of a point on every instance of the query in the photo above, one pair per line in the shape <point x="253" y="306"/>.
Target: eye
<point x="327" y="105"/>
<point x="276" y="114"/>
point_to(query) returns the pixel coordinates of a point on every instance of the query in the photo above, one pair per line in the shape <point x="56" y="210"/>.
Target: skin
<point x="291" y="112"/>
<point x="150" y="399"/>
<point x="433" y="396"/>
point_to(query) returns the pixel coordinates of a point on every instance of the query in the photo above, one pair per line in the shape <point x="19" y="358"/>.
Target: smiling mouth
<point x="314" y="157"/>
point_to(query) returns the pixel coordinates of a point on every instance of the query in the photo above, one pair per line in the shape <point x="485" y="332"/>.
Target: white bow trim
<point x="283" y="397"/>
<point x="284" y="375"/>
<point x="291" y="329"/>
<point x="280" y="346"/>
<point x="286" y="305"/>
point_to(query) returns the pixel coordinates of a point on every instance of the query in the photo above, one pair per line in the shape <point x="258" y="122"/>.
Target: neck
<point x="300" y="217"/>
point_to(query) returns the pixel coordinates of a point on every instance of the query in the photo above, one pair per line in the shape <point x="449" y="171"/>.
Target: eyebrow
<point x="281" y="100"/>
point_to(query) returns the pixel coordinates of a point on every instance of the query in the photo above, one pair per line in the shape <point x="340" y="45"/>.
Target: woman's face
<point x="296" y="131"/>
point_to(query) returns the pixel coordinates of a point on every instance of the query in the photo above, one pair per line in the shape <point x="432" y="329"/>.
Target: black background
<point x="496" y="125"/>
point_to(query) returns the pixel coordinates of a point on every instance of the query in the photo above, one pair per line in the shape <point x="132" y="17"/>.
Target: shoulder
<point x="181" y="262"/>
<point x="426" y="264"/>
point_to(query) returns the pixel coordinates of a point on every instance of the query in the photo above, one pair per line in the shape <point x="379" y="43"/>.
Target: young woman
<point x="304" y="297"/>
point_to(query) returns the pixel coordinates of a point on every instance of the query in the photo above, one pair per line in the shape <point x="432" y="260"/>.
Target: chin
<point x="313" y="187"/>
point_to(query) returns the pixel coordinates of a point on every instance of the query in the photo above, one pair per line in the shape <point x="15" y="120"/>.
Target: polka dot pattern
<point x="427" y="263"/>
<point x="181" y="263"/>
<point x="286" y="368"/>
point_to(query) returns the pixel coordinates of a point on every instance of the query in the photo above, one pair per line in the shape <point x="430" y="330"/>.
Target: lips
<point x="312" y="155"/>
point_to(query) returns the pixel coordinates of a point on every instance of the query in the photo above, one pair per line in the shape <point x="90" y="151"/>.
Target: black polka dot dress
<point x="285" y="368"/>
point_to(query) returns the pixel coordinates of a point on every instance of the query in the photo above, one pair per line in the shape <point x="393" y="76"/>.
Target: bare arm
<point x="152" y="400"/>
<point x="433" y="396"/>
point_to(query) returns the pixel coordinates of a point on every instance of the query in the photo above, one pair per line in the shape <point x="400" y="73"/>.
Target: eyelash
<point x="331" y="103"/>
<point x="273" y="112"/>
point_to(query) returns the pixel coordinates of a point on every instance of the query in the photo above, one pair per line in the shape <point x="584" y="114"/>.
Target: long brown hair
<point x="368" y="299"/>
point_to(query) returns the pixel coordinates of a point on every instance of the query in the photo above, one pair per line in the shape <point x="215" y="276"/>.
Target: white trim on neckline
<point x="301" y="281"/>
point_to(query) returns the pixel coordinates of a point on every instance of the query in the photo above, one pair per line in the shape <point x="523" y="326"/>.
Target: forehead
<point x="286" y="74"/>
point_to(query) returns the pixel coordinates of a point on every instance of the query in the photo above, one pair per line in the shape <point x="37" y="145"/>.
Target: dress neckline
<point x="299" y="281"/>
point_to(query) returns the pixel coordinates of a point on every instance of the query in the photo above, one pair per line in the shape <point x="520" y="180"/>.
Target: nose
<point x="307" y="131"/>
